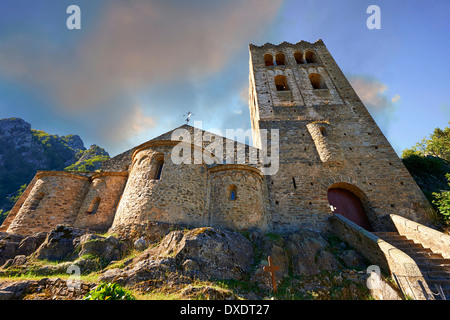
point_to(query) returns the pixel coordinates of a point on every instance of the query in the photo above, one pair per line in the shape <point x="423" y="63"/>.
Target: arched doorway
<point x="347" y="204"/>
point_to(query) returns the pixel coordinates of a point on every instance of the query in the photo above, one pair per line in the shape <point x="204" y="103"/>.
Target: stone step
<point x="425" y="267"/>
<point x="442" y="282"/>
<point x="390" y="236"/>
<point x="440" y="262"/>
<point x="408" y="246"/>
<point x="437" y="274"/>
<point x="423" y="254"/>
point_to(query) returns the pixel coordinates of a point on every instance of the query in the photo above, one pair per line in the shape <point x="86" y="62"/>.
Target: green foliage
<point x="3" y="215"/>
<point x="84" y="165"/>
<point x="109" y="291"/>
<point x="13" y="198"/>
<point x="442" y="202"/>
<point x="419" y="164"/>
<point x="428" y="161"/>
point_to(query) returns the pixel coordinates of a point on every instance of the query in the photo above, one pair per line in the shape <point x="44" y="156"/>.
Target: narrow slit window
<point x="159" y="167"/>
<point x="232" y="192"/>
<point x="93" y="208"/>
<point x="293" y="182"/>
<point x="37" y="201"/>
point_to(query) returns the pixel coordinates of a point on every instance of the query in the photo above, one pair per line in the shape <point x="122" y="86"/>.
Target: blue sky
<point x="137" y="66"/>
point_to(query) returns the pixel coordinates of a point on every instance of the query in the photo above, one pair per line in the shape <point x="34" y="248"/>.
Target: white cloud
<point x="396" y="98"/>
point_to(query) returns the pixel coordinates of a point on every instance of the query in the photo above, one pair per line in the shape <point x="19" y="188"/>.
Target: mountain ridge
<point x="24" y="150"/>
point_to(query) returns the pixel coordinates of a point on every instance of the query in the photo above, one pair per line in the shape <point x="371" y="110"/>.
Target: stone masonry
<point x="327" y="139"/>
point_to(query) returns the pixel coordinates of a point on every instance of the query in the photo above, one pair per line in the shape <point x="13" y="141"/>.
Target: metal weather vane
<point x="188" y="116"/>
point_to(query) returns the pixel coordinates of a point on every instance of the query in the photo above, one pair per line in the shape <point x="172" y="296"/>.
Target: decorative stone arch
<point x="36" y="201"/>
<point x="351" y="190"/>
<point x="93" y="207"/>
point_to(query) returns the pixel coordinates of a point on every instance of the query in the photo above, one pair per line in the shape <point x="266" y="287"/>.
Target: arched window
<point x="317" y="81"/>
<point x="37" y="201"/>
<point x="268" y="60"/>
<point x="93" y="207"/>
<point x="232" y="192"/>
<point x="310" y="57"/>
<point x="281" y="83"/>
<point x="159" y="166"/>
<point x="298" y="55"/>
<point x="280" y="59"/>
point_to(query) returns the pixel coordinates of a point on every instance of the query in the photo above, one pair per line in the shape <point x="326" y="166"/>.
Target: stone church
<point x="332" y="158"/>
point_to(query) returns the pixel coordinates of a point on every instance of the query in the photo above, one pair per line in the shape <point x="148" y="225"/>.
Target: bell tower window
<point x="317" y="81"/>
<point x="298" y="55"/>
<point x="310" y="57"/>
<point x="280" y="59"/>
<point x="268" y="60"/>
<point x="281" y="83"/>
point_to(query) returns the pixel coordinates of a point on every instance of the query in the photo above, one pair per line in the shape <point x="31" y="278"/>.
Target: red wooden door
<point x="348" y="205"/>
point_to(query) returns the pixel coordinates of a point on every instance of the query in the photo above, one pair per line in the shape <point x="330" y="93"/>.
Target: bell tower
<point x="328" y="140"/>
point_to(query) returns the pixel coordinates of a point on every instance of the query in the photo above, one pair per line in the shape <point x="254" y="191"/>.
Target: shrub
<point x="442" y="202"/>
<point x="109" y="291"/>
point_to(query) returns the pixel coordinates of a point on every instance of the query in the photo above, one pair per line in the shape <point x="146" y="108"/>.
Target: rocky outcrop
<point x="44" y="289"/>
<point x="204" y="253"/>
<point x="24" y="150"/>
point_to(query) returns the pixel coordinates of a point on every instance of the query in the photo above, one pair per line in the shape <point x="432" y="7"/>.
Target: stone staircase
<point x="435" y="269"/>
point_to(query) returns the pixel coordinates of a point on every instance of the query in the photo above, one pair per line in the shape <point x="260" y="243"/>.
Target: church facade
<point x="331" y="158"/>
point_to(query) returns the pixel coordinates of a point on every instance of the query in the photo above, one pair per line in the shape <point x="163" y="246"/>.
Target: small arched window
<point x="310" y="57"/>
<point x="232" y="192"/>
<point x="280" y="59"/>
<point x="317" y="81"/>
<point x="93" y="207"/>
<point x="281" y="83"/>
<point x="159" y="166"/>
<point x="298" y="55"/>
<point x="268" y="60"/>
<point x="37" y="201"/>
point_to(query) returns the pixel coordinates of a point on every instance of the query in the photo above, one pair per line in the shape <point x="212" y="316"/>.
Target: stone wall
<point x="179" y="196"/>
<point x="54" y="199"/>
<point x="350" y="151"/>
<point x="245" y="208"/>
<point x="99" y="206"/>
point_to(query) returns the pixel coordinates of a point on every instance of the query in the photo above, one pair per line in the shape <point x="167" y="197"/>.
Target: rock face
<point x="209" y="252"/>
<point x="108" y="249"/>
<point x="23" y="151"/>
<point x="59" y="244"/>
<point x="205" y="253"/>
